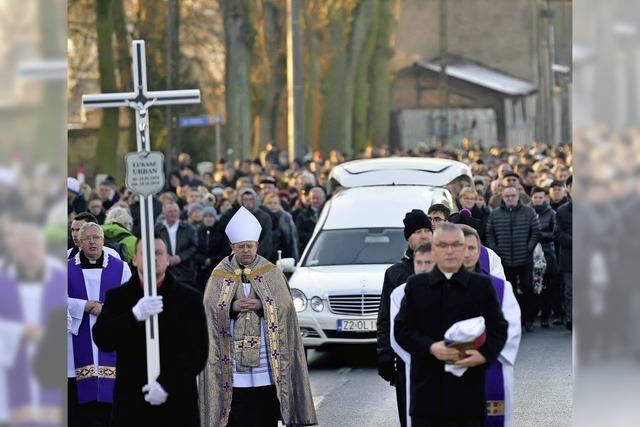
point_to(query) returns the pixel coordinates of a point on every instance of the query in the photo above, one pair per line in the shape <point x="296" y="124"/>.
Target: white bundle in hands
<point x="464" y="335"/>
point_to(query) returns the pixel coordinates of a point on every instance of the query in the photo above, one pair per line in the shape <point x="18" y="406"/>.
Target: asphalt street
<point x="348" y="392"/>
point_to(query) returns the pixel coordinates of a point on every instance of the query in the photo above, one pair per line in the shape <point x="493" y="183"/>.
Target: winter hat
<point x="415" y="220"/>
<point x="209" y="211"/>
<point x="194" y="207"/>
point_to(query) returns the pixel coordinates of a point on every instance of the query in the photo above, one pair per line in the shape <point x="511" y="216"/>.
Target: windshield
<point x="357" y="246"/>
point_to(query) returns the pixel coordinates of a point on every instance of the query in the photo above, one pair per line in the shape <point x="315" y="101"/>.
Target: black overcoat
<point x="183" y="353"/>
<point x="430" y="306"/>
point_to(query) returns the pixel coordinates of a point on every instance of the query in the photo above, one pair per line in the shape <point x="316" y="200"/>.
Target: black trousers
<point x="521" y="278"/>
<point x="401" y="391"/>
<point x="547" y="298"/>
<point x="447" y="422"/>
<point x="92" y="414"/>
<point x="254" y="407"/>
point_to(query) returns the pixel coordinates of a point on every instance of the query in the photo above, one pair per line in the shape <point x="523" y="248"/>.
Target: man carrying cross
<point x="257" y="372"/>
<point x="171" y="400"/>
<point x="144" y="175"/>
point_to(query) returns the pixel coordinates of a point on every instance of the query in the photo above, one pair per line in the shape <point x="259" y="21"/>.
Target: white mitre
<point x="243" y="227"/>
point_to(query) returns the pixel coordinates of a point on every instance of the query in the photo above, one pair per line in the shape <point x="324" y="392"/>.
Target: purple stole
<point x="92" y="385"/>
<point x="494" y="384"/>
<point x="485" y="266"/>
<point x="21" y="374"/>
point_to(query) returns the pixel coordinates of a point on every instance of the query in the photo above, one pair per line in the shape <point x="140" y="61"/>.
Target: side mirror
<point x="286" y="265"/>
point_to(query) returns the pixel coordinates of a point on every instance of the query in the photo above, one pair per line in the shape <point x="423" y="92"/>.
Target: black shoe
<point x="544" y="324"/>
<point x="569" y="325"/>
<point x="528" y="326"/>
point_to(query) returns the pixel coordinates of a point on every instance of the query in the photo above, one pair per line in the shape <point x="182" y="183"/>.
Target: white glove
<point x="155" y="394"/>
<point x="147" y="307"/>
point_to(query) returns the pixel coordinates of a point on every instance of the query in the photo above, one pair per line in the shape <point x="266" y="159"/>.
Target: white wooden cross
<point x="141" y="100"/>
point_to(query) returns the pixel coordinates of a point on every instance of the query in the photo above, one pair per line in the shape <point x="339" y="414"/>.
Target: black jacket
<point x="556" y="205"/>
<point x="564" y="237"/>
<point x="276" y="235"/>
<point x="513" y="233"/>
<point x="430" y="306"/>
<point x="185" y="249"/>
<point x="183" y="353"/>
<point x="211" y="244"/>
<point x="547" y="219"/>
<point x="78" y="205"/>
<point x="395" y="276"/>
<point x="135" y="214"/>
<point x="305" y="222"/>
<point x="288" y="232"/>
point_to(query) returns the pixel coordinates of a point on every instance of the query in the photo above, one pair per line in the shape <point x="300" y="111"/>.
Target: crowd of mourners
<point x="287" y="197"/>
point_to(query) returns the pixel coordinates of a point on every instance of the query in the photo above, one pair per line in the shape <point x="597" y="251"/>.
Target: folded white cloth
<point x="464" y="331"/>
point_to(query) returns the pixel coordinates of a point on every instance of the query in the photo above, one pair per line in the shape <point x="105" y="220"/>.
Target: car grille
<point x="354" y="305"/>
<point x="348" y="334"/>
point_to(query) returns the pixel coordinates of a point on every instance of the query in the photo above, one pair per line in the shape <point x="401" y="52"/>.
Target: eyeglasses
<point x="91" y="239"/>
<point x="436" y="219"/>
<point x="445" y="245"/>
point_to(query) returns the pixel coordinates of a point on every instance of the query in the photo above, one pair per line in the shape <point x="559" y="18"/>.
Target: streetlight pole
<point x="444" y="89"/>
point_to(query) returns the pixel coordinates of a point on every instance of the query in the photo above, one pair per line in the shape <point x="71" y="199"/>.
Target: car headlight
<point x="317" y="304"/>
<point x="299" y="299"/>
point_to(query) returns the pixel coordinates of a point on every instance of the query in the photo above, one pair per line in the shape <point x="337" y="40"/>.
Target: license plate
<point x="364" y="325"/>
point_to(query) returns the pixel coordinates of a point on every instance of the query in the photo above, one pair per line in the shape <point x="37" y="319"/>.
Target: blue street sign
<point x="193" y="121"/>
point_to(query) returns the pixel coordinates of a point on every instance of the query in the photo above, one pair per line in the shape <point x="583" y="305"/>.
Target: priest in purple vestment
<point x="91" y="373"/>
<point x="500" y="384"/>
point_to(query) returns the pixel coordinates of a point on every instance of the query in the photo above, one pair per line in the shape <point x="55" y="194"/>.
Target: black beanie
<point x="415" y="220"/>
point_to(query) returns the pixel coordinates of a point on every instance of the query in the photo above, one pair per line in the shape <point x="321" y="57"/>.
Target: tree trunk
<point x="380" y="96"/>
<point x="338" y="111"/>
<point x="332" y="128"/>
<point x="123" y="50"/>
<point x="238" y="43"/>
<point x="362" y="84"/>
<point x="152" y="28"/>
<point x="108" y="133"/>
<point x="270" y="52"/>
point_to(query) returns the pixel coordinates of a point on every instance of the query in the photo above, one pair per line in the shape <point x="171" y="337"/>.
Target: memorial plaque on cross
<point x="143" y="178"/>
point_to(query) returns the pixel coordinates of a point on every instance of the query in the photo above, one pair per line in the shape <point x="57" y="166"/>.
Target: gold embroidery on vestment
<point x="495" y="407"/>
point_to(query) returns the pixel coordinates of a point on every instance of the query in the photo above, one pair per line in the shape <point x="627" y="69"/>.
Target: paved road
<point x="348" y="392"/>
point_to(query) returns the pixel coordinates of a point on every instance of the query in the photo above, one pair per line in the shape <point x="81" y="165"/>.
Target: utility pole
<point x="295" y="86"/>
<point x="443" y="84"/>
<point x="545" y="116"/>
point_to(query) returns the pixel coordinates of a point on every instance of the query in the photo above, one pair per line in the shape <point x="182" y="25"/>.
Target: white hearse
<point x="337" y="283"/>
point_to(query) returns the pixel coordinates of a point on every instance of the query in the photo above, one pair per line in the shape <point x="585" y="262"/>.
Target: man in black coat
<point x="551" y="295"/>
<point x="433" y="302"/>
<point x="308" y="217"/>
<point x="172" y="399"/>
<point x="564" y="238"/>
<point x="211" y="247"/>
<point x="417" y="230"/>
<point x="513" y="231"/>
<point x="181" y="243"/>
